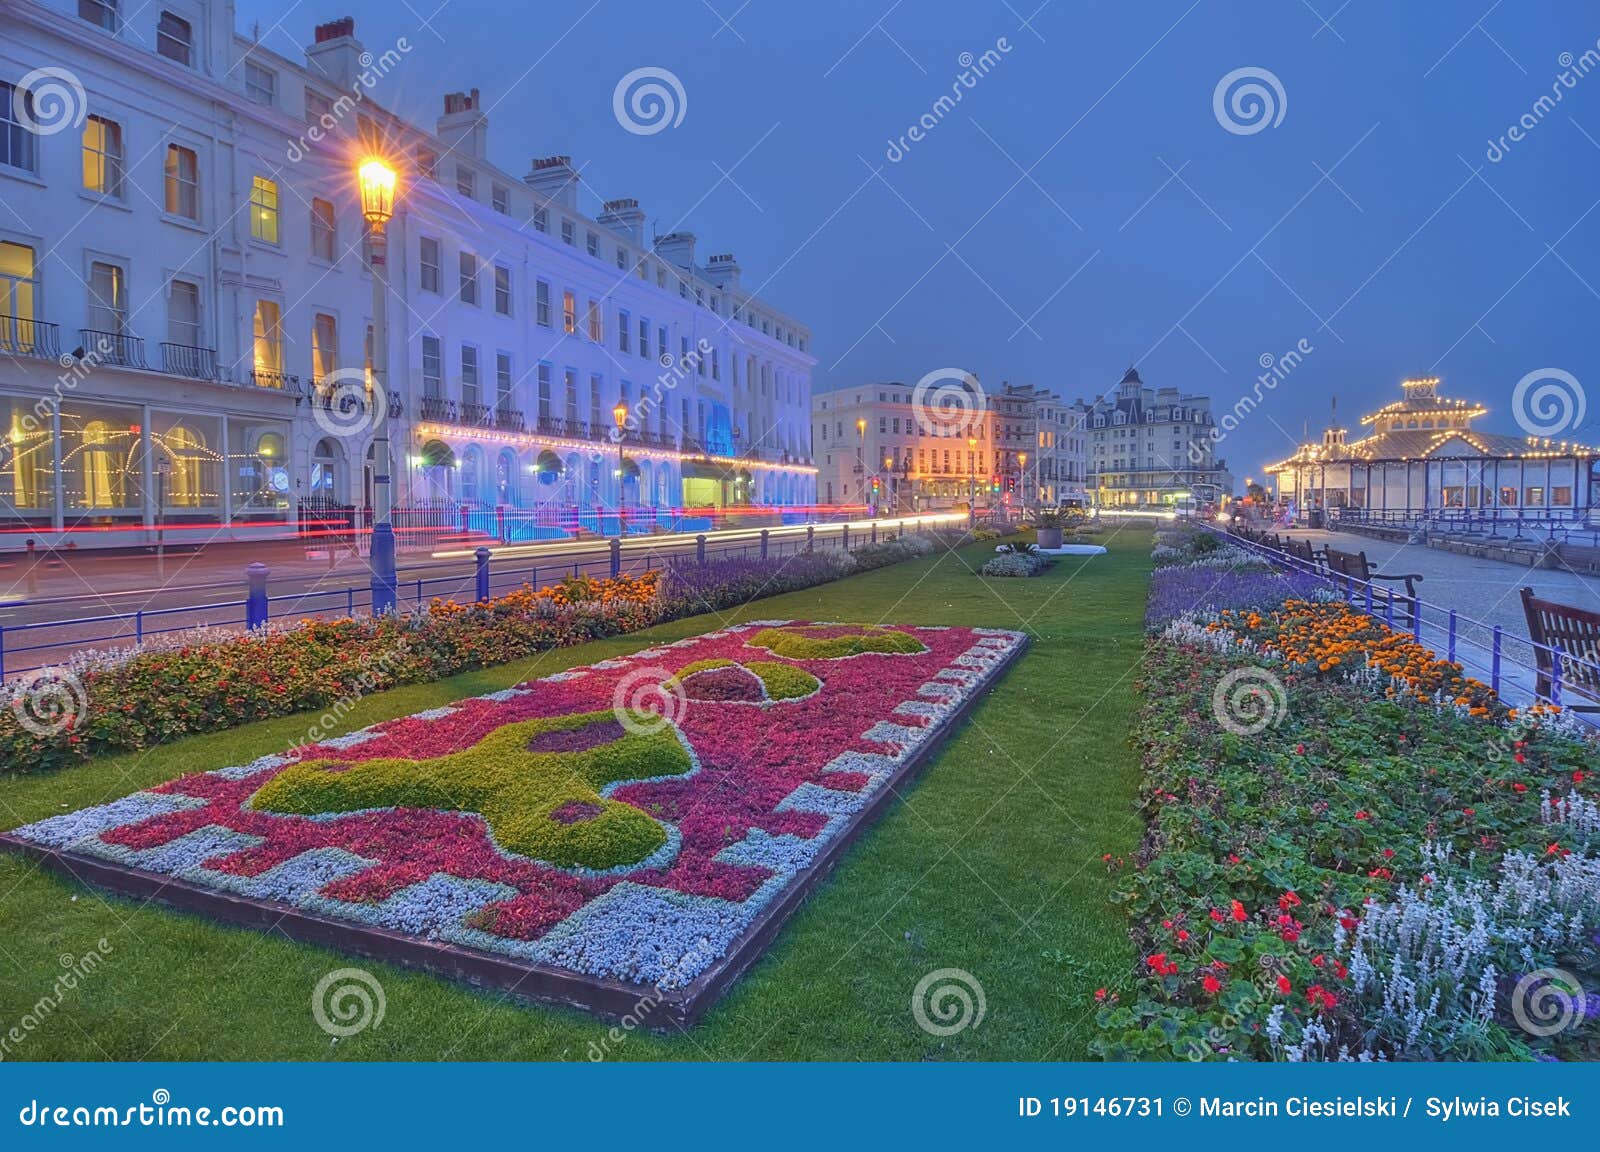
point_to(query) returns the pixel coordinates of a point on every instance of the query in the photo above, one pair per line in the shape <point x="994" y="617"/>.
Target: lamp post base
<point x="385" y="583"/>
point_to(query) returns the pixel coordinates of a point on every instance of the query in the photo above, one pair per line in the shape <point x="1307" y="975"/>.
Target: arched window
<point x="506" y="477"/>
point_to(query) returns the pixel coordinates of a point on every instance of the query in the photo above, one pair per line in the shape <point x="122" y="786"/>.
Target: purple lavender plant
<point x="1174" y="591"/>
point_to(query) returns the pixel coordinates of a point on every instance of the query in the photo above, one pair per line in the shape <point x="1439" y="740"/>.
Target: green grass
<point x="991" y="864"/>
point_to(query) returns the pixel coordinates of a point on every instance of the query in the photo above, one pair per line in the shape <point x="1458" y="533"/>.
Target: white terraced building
<point x="183" y="282"/>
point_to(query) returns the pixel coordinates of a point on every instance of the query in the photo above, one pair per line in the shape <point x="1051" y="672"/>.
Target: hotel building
<point x="1152" y="448"/>
<point x="185" y="299"/>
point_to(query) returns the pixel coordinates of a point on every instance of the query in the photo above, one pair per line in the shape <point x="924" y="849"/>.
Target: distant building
<point x="1424" y="459"/>
<point x="1043" y="446"/>
<point x="1152" y="448"/>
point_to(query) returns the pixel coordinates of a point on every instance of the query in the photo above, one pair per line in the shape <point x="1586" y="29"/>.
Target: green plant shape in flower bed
<point x="803" y="643"/>
<point x="753" y="682"/>
<point x="536" y="783"/>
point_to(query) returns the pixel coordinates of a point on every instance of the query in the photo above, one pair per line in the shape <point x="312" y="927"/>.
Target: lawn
<point x="991" y="864"/>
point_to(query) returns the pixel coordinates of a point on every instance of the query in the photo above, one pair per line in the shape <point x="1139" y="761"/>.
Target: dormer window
<point x="174" y="38"/>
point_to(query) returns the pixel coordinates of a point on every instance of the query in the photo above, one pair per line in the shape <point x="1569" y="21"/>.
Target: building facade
<point x="1152" y="448"/>
<point x="186" y="303"/>
<point x="1423" y="459"/>
<point x="1043" y="447"/>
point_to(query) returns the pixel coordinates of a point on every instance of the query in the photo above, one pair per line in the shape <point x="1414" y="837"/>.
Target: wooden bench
<point x="1356" y="566"/>
<point x="1576" y="631"/>
<point x="1304" y="551"/>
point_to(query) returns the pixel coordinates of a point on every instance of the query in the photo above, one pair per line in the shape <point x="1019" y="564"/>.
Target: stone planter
<point x="1049" y="537"/>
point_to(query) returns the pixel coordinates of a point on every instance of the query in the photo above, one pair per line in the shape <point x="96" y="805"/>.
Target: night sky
<point x="1083" y="206"/>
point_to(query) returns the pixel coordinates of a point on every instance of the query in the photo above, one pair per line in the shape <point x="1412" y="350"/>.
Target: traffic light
<point x="994" y="483"/>
<point x="877" y="485"/>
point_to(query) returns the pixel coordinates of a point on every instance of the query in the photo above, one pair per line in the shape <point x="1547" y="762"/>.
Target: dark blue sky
<point x="1197" y="251"/>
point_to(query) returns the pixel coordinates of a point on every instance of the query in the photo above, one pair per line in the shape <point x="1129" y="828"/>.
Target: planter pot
<point x="1049" y="537"/>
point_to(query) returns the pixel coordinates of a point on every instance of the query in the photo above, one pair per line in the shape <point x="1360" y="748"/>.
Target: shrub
<point x="1015" y="564"/>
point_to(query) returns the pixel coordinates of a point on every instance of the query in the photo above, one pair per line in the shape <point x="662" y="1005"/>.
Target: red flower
<point x="1362" y="814"/>
<point x="1284" y="986"/>
<point x="1100" y="994"/>
<point x="1158" y="961"/>
<point x="1578" y="776"/>
<point x="1288" y="900"/>
<point x="1212" y="985"/>
<point x="1216" y="914"/>
<point x="1183" y="935"/>
<point x="1519" y="787"/>
<point x="1239" y="912"/>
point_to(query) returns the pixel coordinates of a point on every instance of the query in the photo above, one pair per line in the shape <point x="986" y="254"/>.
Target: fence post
<point x="700" y="548"/>
<point x="811" y="536"/>
<point x="873" y="536"/>
<point x="845" y="538"/>
<point x="500" y="523"/>
<point x="482" y="556"/>
<point x="1452" y="656"/>
<point x="1494" y="661"/>
<point x="763" y="543"/>
<point x="138" y="626"/>
<point x="2" y="651"/>
<point x="255" y="603"/>
<point x="616" y="556"/>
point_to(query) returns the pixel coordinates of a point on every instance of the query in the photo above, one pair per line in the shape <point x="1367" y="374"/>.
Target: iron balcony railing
<point x="22" y="336"/>
<point x="187" y="360"/>
<point x="510" y="420"/>
<point x="113" y="348"/>
<point x="439" y="408"/>
<point x="271" y="378"/>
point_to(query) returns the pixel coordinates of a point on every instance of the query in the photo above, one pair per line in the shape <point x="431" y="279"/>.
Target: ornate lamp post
<point x="972" y="482"/>
<point x="620" y="415"/>
<point x="1022" y="479"/>
<point x="377" y="181"/>
<point x="861" y="448"/>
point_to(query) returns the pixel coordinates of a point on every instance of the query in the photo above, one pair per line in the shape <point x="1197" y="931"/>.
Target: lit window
<point x="102" y="156"/>
<point x="264" y="210"/>
<point x="269" y="340"/>
<point x="569" y="313"/>
<point x="174" y="38"/>
<point x="324" y="346"/>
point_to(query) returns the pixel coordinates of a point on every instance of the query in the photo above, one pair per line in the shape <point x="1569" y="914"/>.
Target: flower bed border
<point x="612" y="999"/>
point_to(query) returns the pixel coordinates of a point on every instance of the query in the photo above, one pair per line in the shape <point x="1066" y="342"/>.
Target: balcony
<point x="439" y="408"/>
<point x="21" y="336"/>
<point x="184" y="360"/>
<point x="476" y="415"/>
<point x="510" y="420"/>
<point x="278" y="381"/>
<point x="113" y="348"/>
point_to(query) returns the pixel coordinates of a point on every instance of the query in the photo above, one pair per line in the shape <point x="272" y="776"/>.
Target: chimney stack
<point x="677" y="248"/>
<point x="723" y="270"/>
<point x="463" y="127"/>
<point x="555" y="179"/>
<point x="336" y="54"/>
<point x="625" y="218"/>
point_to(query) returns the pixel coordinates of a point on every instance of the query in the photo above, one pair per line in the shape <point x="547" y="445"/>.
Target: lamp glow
<point x="377" y="190"/>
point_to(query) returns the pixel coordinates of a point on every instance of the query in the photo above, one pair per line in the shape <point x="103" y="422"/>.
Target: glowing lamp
<point x="377" y="191"/>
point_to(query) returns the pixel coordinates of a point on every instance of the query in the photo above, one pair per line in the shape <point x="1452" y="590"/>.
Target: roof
<point x="1415" y="444"/>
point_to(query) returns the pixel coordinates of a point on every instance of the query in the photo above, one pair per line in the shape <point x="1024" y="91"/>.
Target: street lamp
<point x="861" y="448"/>
<point x="972" y="482"/>
<point x="163" y="482"/>
<point x="620" y="415"/>
<point x="377" y="180"/>
<point x="1022" y="478"/>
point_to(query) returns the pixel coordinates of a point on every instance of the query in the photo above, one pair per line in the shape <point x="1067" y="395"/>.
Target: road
<point x="116" y="601"/>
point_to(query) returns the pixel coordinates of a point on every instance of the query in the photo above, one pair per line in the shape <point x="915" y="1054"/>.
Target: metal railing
<point x="1506" y="662"/>
<point x="1489" y="524"/>
<point x="186" y="360"/>
<point x="114" y="347"/>
<point x="22" y="336"/>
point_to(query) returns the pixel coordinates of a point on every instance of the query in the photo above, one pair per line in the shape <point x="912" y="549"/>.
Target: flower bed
<point x="1353" y="851"/>
<point x="108" y="702"/>
<point x="604" y="826"/>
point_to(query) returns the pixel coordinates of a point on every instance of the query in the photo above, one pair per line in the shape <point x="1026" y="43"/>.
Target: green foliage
<point x="799" y="643"/>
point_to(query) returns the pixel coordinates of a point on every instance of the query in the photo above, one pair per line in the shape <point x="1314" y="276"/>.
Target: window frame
<point x="266" y="207"/>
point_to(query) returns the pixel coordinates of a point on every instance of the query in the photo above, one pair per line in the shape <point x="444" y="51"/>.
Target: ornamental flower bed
<point x="109" y="702"/>
<point x="1380" y="862"/>
<point x="636" y="827"/>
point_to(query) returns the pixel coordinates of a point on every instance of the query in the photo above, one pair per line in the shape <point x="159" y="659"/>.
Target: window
<point x="591" y="244"/>
<point x="174" y="38"/>
<point x="569" y="233"/>
<point x="502" y="290"/>
<point x="260" y="84"/>
<point x="541" y="303"/>
<point x="596" y="387"/>
<point x="1561" y="496"/>
<point x="716" y="374"/>
<point x="500" y="198"/>
<point x="102" y="156"/>
<point x="569" y="313"/>
<point x="264" y="210"/>
<point x="622" y="258"/>
<point x="624" y="332"/>
<point x="644" y="337"/>
<point x="183" y="182"/>
<point x="319" y="109"/>
<point x="17" y="143"/>
<point x="183" y="314"/>
<point x="466" y="181"/>
<point x="502" y="379"/>
<point x="428" y="264"/>
<point x="269" y="340"/>
<point x="661" y="345"/>
<point x="324" y="231"/>
<point x="469" y="374"/>
<point x="324" y="346"/>
<point x="108" y="298"/>
<point x="101" y="13"/>
<point x="544" y="391"/>
<point x="468" y="264"/>
<point x="432" y="368"/>
<point x="596" y="322"/>
<point x="427" y="161"/>
<point x="1533" y="497"/>
<point x="541" y="219"/>
<point x="19" y="287"/>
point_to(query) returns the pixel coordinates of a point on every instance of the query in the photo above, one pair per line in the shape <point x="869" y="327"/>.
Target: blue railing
<point x="1507" y="663"/>
<point x="1509" y="524"/>
<point x="25" y="647"/>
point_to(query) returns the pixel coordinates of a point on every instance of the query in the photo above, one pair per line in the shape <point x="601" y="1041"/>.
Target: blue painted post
<point x="763" y="543"/>
<point x="255" y="603"/>
<point x="700" y="548"/>
<point x="2" y="651"/>
<point x="1452" y="646"/>
<point x="482" y="557"/>
<point x="1494" y="660"/>
<point x="616" y="557"/>
<point x="1388" y="611"/>
<point x="1369" y="597"/>
<point x="138" y="626"/>
<point x="349" y="601"/>
<point x="1555" y="674"/>
<point x="385" y="583"/>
